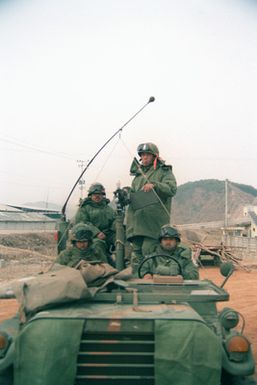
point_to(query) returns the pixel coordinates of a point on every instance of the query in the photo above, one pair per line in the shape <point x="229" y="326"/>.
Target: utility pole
<point x="226" y="202"/>
<point x="47" y="197"/>
<point x="81" y="164"/>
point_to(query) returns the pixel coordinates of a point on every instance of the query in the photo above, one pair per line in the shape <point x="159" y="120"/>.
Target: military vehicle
<point x="160" y="331"/>
<point x="128" y="331"/>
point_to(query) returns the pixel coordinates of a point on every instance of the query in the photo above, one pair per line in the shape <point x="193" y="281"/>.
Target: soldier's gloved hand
<point x="101" y="236"/>
<point x="167" y="270"/>
<point x="148" y="187"/>
<point x="148" y="276"/>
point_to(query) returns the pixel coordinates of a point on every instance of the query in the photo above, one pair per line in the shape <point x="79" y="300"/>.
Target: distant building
<point x="15" y="218"/>
<point x="253" y="228"/>
<point x="55" y="214"/>
<point x="233" y="231"/>
<point x="242" y="237"/>
<point x="249" y="208"/>
<point x="250" y="213"/>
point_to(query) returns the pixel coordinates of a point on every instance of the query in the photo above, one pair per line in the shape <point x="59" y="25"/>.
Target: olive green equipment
<point x="122" y="200"/>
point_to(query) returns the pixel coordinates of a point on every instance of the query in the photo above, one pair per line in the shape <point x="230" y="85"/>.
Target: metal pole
<point x="120" y="241"/>
<point x="226" y="202"/>
<point x="82" y="181"/>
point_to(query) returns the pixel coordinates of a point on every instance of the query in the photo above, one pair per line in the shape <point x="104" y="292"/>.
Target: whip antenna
<point x="151" y="99"/>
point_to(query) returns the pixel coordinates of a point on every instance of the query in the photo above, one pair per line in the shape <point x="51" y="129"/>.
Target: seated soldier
<point x="82" y="248"/>
<point x="170" y="245"/>
<point x="96" y="212"/>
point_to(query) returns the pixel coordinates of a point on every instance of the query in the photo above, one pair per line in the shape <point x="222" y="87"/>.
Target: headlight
<point x="229" y="318"/>
<point x="5" y="341"/>
<point x="237" y="348"/>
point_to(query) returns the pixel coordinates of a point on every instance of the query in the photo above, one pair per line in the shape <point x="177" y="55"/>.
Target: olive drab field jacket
<point x="147" y="221"/>
<point x="72" y="256"/>
<point x="100" y="216"/>
<point x="164" y="266"/>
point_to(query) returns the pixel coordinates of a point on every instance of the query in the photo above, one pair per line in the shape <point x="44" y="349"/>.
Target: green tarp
<point x="46" y="352"/>
<point x="186" y="353"/>
<point x="60" y="285"/>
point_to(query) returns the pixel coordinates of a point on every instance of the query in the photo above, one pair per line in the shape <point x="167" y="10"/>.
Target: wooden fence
<point x="244" y="247"/>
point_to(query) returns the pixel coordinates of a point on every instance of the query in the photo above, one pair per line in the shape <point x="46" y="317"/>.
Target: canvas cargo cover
<point x="60" y="285"/>
<point x="187" y="352"/>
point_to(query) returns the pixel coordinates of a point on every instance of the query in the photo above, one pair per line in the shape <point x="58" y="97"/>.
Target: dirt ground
<point x="30" y="254"/>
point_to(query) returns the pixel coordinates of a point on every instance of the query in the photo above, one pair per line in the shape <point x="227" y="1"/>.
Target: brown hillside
<point x="204" y="201"/>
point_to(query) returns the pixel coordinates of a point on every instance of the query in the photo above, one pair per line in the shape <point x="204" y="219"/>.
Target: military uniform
<point x="164" y="266"/>
<point x="99" y="216"/>
<point x="144" y="223"/>
<point x="72" y="256"/>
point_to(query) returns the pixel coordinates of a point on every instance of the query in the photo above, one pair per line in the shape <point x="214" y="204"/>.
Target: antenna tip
<point x="151" y="99"/>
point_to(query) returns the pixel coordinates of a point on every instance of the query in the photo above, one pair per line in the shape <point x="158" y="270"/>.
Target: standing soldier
<point x="96" y="212"/>
<point x="152" y="188"/>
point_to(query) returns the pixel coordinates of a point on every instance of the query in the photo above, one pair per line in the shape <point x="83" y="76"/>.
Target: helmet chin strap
<point x="155" y="162"/>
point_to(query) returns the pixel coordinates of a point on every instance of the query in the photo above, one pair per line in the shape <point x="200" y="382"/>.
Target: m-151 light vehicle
<point x="154" y="332"/>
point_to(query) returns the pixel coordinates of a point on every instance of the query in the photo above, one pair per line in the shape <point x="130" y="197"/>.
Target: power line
<point x="15" y="142"/>
<point x="24" y="176"/>
<point x="12" y="180"/>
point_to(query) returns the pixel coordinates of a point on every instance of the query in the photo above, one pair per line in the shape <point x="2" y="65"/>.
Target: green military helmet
<point x="81" y="233"/>
<point x="169" y="232"/>
<point x="96" y="188"/>
<point x="149" y="148"/>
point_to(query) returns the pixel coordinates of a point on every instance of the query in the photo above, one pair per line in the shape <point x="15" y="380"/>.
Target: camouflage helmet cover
<point x="149" y="148"/>
<point x="96" y="188"/>
<point x="169" y="232"/>
<point x="81" y="233"/>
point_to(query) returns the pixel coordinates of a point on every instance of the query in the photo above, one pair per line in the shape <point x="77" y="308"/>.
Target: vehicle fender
<point x="245" y="368"/>
<point x="8" y="359"/>
<point x="11" y="327"/>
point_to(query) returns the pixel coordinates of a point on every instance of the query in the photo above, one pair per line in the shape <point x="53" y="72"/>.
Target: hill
<point x="204" y="201"/>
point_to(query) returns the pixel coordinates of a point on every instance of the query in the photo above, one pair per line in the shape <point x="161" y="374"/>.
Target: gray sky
<point x="72" y="72"/>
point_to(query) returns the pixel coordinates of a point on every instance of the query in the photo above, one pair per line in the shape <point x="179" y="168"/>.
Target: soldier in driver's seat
<point x="169" y="245"/>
